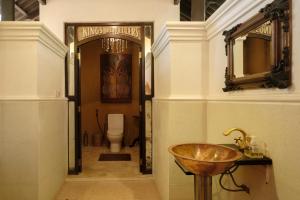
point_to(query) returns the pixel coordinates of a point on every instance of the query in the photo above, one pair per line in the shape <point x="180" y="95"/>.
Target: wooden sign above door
<point x="85" y="32"/>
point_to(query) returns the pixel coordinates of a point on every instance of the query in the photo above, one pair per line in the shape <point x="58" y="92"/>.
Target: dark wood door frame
<point x="77" y="97"/>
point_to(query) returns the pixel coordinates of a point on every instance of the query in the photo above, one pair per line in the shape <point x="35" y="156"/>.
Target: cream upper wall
<point x="57" y="12"/>
<point x="162" y="75"/>
<point x="20" y="86"/>
<point x="30" y="58"/>
<point x="178" y="51"/>
<point x="51" y="74"/>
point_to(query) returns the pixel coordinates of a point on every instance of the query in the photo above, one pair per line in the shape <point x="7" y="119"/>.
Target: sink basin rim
<point x="235" y="158"/>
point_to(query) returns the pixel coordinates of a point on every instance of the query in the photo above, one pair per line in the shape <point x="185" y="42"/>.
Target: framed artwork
<point x="116" y="78"/>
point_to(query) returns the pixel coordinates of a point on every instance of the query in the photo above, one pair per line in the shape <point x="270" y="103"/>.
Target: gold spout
<point x="242" y="143"/>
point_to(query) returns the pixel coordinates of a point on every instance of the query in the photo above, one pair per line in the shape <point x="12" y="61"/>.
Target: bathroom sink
<point x="205" y="159"/>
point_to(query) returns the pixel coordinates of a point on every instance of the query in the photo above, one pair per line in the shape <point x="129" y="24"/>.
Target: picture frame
<point x="279" y="71"/>
<point x="115" y="78"/>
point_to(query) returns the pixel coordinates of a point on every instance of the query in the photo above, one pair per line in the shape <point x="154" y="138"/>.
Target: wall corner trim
<point x="32" y="31"/>
<point x="179" y="31"/>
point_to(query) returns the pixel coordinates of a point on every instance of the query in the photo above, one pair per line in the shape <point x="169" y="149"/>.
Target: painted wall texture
<point x="33" y="112"/>
<point x="178" y="108"/>
<point x="157" y="11"/>
<point x="272" y="115"/>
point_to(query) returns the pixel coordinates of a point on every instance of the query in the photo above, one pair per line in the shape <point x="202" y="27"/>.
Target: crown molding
<point x="228" y="15"/>
<point x="32" y="31"/>
<point x="179" y="31"/>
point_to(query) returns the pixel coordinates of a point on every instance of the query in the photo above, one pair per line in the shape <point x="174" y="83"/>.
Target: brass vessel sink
<point x="205" y="159"/>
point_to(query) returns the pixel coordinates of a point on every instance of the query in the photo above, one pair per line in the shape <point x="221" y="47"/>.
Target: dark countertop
<point x="243" y="161"/>
<point x="250" y="161"/>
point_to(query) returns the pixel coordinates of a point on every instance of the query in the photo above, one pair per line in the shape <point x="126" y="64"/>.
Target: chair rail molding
<point x="31" y="98"/>
<point x="258" y="97"/>
<point x="180" y="98"/>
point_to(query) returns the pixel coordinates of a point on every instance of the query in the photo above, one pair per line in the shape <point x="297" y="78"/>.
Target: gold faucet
<point x="242" y="143"/>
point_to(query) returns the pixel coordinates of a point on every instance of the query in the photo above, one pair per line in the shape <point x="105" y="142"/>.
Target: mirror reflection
<point x="253" y="51"/>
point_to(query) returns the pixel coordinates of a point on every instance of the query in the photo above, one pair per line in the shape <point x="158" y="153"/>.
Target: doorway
<point x="89" y="45"/>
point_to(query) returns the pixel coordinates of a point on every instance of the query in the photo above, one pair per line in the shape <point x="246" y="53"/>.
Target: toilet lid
<point x="114" y="132"/>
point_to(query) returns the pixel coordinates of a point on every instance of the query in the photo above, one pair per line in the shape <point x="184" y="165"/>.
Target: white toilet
<point x="115" y="131"/>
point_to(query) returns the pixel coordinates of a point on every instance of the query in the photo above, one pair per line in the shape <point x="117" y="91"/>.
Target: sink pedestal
<point x="202" y="187"/>
<point x="204" y="161"/>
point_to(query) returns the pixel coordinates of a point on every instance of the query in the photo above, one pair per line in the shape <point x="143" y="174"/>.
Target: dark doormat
<point x="114" y="157"/>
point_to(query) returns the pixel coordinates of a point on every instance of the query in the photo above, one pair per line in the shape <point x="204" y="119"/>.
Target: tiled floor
<point x="143" y="189"/>
<point x="109" y="169"/>
<point x="109" y="180"/>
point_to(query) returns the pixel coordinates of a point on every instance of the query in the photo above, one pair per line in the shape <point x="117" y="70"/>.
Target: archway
<point x="115" y="36"/>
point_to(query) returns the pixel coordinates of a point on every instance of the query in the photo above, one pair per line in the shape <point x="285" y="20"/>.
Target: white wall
<point x="10" y="71"/>
<point x="33" y="115"/>
<point x="179" y="112"/>
<point x="273" y="115"/>
<point x="19" y="150"/>
<point x="57" y="12"/>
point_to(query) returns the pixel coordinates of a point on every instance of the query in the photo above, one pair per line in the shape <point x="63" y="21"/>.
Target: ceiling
<point x="185" y="10"/>
<point x="210" y="7"/>
<point x="27" y="10"/>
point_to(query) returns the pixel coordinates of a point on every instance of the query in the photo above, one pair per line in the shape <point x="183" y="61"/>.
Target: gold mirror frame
<point x="279" y="13"/>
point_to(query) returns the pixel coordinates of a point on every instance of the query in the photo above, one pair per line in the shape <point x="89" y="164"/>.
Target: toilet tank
<point x="115" y="121"/>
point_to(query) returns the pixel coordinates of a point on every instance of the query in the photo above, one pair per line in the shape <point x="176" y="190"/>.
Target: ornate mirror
<point x="259" y="50"/>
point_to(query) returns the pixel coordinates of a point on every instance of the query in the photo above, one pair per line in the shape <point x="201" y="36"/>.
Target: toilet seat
<point x="115" y="132"/>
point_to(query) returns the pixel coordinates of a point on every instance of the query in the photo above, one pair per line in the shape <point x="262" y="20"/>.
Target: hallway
<point x="109" y="180"/>
<point x="109" y="189"/>
<point x="92" y="168"/>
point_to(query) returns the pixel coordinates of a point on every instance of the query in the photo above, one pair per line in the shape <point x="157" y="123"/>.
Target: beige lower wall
<point x="19" y="150"/>
<point x="174" y="122"/>
<point x="33" y="149"/>
<point x="277" y="124"/>
<point x="160" y="144"/>
<point x="53" y="147"/>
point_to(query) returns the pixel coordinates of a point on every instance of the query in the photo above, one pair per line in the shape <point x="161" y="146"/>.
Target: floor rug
<point x="114" y="157"/>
